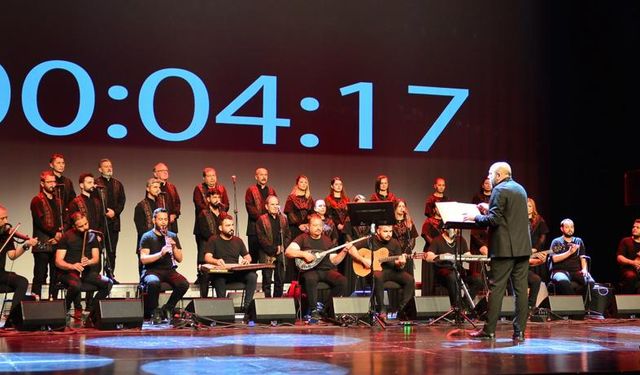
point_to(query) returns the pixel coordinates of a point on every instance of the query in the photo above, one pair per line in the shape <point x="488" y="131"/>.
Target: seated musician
<point x="392" y="270"/>
<point x="78" y="259"/>
<point x="324" y="271"/>
<point x="15" y="283"/>
<point x="160" y="251"/>
<point x="629" y="260"/>
<point x="224" y="250"/>
<point x="447" y="243"/>
<point x="569" y="265"/>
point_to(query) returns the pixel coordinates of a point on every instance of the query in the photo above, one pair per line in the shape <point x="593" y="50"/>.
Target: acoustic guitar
<point x="379" y="256"/>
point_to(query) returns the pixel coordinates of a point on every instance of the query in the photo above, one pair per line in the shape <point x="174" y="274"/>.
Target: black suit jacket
<point x="508" y="221"/>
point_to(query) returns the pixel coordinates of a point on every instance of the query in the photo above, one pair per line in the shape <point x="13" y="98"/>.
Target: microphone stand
<point x="235" y="202"/>
<point x="104" y="250"/>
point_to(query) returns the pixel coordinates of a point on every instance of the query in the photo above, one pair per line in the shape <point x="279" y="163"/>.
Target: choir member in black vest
<point x="298" y="207"/>
<point x="325" y="270"/>
<point x="77" y="255"/>
<point x="404" y="230"/>
<point x="169" y="195"/>
<point x="226" y="248"/>
<point x="208" y="222"/>
<point x="160" y="253"/>
<point x="336" y="203"/>
<point x="46" y="212"/>
<point x="64" y="185"/>
<point x="209" y="183"/>
<point x="143" y="213"/>
<point x="15" y="283"/>
<point x="255" y="200"/>
<point x="113" y="197"/>
<point x="274" y="236"/>
<point x="439" y="186"/>
<point x="483" y="195"/>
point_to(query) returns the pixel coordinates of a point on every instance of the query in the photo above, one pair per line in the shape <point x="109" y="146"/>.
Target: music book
<point x="455" y="212"/>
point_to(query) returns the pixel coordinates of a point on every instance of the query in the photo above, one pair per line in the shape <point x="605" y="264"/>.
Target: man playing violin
<point x="160" y="251"/>
<point x="223" y="250"/>
<point x="325" y="271"/>
<point x="16" y="283"/>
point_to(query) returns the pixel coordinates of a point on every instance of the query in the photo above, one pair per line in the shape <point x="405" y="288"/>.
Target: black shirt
<point x="154" y="242"/>
<point x="392" y="245"/>
<point x="572" y="263"/>
<point x="5" y="251"/>
<point x="629" y="249"/>
<point x="439" y="245"/>
<point x="227" y="250"/>
<point x="275" y="230"/>
<point x="306" y="242"/>
<point x="74" y="243"/>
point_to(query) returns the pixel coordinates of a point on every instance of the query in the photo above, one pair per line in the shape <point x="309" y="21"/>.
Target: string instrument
<point x="379" y="256"/>
<point x="543" y="254"/>
<point x="235" y="267"/>
<point x="319" y="255"/>
<point x="40" y="247"/>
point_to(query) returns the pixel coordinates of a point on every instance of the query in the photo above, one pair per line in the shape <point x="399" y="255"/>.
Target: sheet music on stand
<point x="453" y="214"/>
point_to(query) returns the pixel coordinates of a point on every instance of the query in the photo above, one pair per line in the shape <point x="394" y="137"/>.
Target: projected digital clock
<point x="266" y="85"/>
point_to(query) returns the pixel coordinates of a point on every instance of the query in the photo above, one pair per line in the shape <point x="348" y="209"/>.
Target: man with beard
<point x="569" y="265"/>
<point x="629" y="260"/>
<point x="200" y="201"/>
<point x="143" y="213"/>
<point x="113" y="197"/>
<point x="324" y="271"/>
<point x="392" y="270"/>
<point x="77" y="253"/>
<point x="160" y="251"/>
<point x="46" y="213"/>
<point x="274" y="236"/>
<point x="169" y="196"/>
<point x="208" y="221"/>
<point x="15" y="283"/>
<point x="225" y="249"/>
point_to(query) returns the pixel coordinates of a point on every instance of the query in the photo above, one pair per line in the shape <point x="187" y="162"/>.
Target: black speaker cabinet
<point x="567" y="306"/>
<point x="209" y="310"/>
<point x="431" y="306"/>
<point x="356" y="306"/>
<point x="627" y="305"/>
<point x="266" y="310"/>
<point x="40" y="315"/>
<point x="118" y="314"/>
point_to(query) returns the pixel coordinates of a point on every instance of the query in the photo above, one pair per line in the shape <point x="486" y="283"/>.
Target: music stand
<point x="453" y="214"/>
<point x="372" y="214"/>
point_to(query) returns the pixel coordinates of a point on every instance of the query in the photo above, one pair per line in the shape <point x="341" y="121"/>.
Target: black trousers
<point x="311" y="278"/>
<point x="74" y="281"/>
<point x="249" y="278"/>
<point x="44" y="265"/>
<point x="152" y="279"/>
<point x="503" y="269"/>
<point x="17" y="284"/>
<point x="274" y="276"/>
<point x="403" y="278"/>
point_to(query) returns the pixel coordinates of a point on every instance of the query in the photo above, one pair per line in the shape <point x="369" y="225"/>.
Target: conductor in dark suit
<point x="509" y="248"/>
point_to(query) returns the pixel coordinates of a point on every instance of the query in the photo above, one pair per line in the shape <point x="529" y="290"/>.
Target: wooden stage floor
<point x="608" y="346"/>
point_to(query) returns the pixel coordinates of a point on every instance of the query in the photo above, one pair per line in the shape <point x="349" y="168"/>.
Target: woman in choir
<point x="538" y="229"/>
<point x="336" y="203"/>
<point x="382" y="190"/>
<point x="404" y="230"/>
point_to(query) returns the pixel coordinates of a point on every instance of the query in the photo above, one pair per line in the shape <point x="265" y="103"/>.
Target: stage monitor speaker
<point x="266" y="310"/>
<point x="356" y="306"/>
<point x="430" y="307"/>
<point x="118" y="314"/>
<point x="627" y="305"/>
<point x="40" y="316"/>
<point x="209" y="310"/>
<point x="632" y="188"/>
<point x="567" y="306"/>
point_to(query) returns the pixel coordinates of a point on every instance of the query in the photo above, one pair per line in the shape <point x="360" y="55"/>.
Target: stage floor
<point x="551" y="347"/>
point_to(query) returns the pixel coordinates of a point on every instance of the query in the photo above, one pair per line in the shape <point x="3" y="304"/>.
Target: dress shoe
<point x="482" y="335"/>
<point x="518" y="336"/>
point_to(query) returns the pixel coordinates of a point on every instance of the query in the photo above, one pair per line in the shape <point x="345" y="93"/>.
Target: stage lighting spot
<point x="530" y="346"/>
<point x="153" y="342"/>
<point x="627" y="330"/>
<point x="242" y="366"/>
<point x="287" y="340"/>
<point x="38" y="362"/>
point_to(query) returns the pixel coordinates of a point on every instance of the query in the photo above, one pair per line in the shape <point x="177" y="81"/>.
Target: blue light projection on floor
<point x="37" y="362"/>
<point x="628" y="330"/>
<point x="530" y="346"/>
<point x="242" y="366"/>
<point x="287" y="340"/>
<point x="153" y="342"/>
